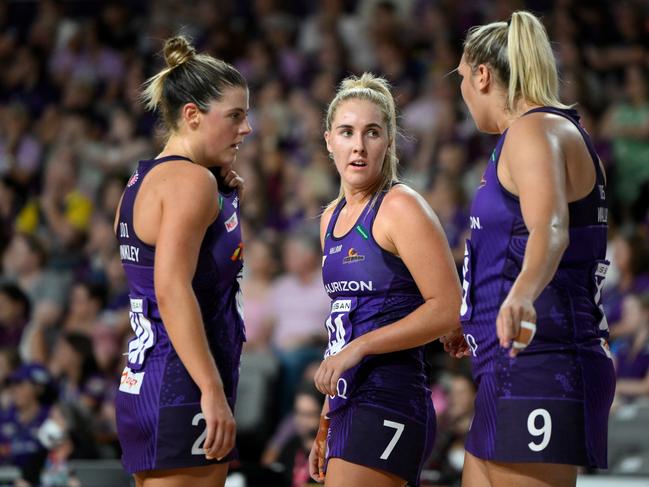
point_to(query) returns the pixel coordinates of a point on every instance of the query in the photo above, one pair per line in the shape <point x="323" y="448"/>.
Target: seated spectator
<point x="300" y="307"/>
<point x="631" y="260"/>
<point x="632" y="351"/>
<point x="60" y="216"/>
<point x="14" y="314"/>
<point x="452" y="427"/>
<point x="32" y="393"/>
<point x="294" y="455"/>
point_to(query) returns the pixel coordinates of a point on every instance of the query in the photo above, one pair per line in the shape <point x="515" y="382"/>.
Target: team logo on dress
<point x="353" y="256"/>
<point x="133" y="179"/>
<point x="336" y="249"/>
<point x="231" y="223"/>
<point x="238" y="253"/>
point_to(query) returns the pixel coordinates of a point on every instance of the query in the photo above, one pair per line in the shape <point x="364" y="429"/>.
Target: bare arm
<point x="535" y="170"/>
<point x="187" y="211"/>
<point x="421" y="243"/>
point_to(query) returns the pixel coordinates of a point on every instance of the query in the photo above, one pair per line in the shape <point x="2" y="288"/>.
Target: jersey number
<point x="197" y="448"/>
<point x="393" y="442"/>
<point x="545" y="429"/>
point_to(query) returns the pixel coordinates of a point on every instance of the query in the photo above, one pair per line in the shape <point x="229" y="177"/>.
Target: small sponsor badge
<point x="231" y="223"/>
<point x="131" y="381"/>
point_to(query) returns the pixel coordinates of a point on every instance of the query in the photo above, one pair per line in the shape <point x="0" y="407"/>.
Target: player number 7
<point x="393" y="442"/>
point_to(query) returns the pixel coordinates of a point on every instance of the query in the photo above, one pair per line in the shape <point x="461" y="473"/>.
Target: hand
<point x="232" y="178"/>
<point x="220" y="425"/>
<point x="319" y="451"/>
<point x="331" y="368"/>
<point x="513" y="311"/>
<point x="455" y="344"/>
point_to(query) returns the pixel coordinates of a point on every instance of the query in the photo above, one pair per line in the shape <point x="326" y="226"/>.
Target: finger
<point x="317" y="379"/>
<point x="325" y="379"/>
<point x="508" y="327"/>
<point x="228" y="440"/>
<point x="500" y="332"/>
<point x="333" y="382"/>
<point x="209" y="437"/>
<point x="217" y="447"/>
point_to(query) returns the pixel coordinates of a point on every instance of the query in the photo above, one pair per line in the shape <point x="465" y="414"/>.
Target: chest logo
<point x="353" y="256"/>
<point x="475" y="223"/>
<point x="235" y="202"/>
<point x="336" y="249"/>
<point x="231" y="223"/>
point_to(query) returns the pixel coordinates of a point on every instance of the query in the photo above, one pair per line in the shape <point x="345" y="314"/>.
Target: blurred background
<point x="72" y="131"/>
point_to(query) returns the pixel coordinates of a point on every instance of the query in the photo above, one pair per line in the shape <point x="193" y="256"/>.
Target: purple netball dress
<point x="159" y="419"/>
<point x="382" y="416"/>
<point x="549" y="404"/>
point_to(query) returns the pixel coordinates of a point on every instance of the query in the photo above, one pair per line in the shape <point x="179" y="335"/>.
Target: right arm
<point x="186" y="212"/>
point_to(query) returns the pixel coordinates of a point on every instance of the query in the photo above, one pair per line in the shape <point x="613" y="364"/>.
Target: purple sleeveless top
<point x="215" y="283"/>
<point x="568" y="310"/>
<point x="369" y="288"/>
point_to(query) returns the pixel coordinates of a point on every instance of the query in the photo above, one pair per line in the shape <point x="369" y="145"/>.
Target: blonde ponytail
<point x="532" y="67"/>
<point x="519" y="52"/>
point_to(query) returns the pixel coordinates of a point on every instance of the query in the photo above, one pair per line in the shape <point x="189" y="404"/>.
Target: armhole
<point x="376" y="208"/>
<point x="118" y="214"/>
<point x="329" y="231"/>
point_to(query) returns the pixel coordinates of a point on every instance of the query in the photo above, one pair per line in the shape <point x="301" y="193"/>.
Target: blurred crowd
<point x="72" y="130"/>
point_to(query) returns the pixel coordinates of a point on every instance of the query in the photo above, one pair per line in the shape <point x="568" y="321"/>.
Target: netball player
<point x="180" y="244"/>
<point x="533" y="270"/>
<point x="389" y="272"/>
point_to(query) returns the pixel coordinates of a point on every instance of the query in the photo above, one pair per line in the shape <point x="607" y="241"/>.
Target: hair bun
<point x="177" y="51"/>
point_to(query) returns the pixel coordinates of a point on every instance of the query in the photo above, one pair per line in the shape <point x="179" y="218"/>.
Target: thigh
<point x="341" y="473"/>
<point x="207" y="476"/>
<point x="474" y="472"/>
<point x="532" y="474"/>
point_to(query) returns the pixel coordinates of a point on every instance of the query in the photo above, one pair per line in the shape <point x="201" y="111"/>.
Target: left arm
<point x="420" y="242"/>
<point x="538" y="177"/>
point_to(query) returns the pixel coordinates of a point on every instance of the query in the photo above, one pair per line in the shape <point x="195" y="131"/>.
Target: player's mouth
<point x="358" y="163"/>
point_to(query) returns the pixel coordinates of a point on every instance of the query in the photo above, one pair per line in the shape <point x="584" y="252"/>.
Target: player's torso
<point x="369" y="288"/>
<point x="568" y="310"/>
<point x="215" y="283"/>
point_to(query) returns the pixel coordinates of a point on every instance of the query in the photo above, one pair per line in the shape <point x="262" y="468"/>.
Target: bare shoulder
<point x="402" y="200"/>
<point x="540" y="126"/>
<point x="180" y="179"/>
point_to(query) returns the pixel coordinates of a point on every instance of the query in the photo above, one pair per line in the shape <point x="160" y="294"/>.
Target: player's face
<point x="358" y="140"/>
<point x="225" y="126"/>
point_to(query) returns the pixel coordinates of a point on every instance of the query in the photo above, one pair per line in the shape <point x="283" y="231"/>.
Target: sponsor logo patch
<point x="137" y="305"/>
<point x="336" y="249"/>
<point x="131" y="382"/>
<point x="342" y="305"/>
<point x="231" y="223"/>
<point x="353" y="256"/>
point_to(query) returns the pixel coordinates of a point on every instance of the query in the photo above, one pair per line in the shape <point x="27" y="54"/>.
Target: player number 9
<point x="545" y="429"/>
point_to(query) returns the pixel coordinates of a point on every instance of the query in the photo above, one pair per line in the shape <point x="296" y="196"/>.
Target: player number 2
<point x="197" y="446"/>
<point x="545" y="429"/>
<point x="393" y="442"/>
